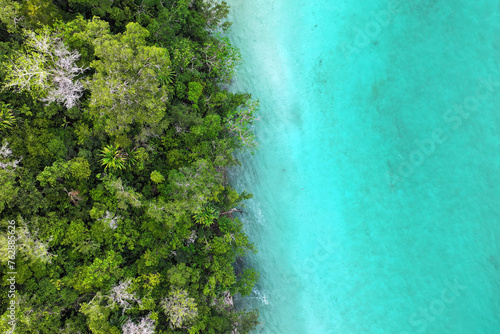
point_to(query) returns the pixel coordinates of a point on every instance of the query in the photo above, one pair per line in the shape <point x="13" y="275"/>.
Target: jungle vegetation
<point x="116" y="134"/>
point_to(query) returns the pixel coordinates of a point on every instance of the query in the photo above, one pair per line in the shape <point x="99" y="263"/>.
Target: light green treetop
<point x="180" y="308"/>
<point x="126" y="87"/>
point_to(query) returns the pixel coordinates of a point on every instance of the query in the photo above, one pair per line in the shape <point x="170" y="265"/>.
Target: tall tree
<point x="126" y="87"/>
<point x="46" y="69"/>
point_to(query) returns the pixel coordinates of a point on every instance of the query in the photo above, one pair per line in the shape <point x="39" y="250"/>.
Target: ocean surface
<point x="376" y="186"/>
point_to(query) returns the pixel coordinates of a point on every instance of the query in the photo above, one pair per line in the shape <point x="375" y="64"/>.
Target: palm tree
<point x="207" y="215"/>
<point x="113" y="157"/>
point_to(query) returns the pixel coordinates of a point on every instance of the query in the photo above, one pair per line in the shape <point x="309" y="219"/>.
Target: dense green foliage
<point x="116" y="133"/>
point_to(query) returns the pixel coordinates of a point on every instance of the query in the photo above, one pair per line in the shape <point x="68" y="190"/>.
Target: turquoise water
<point x="376" y="188"/>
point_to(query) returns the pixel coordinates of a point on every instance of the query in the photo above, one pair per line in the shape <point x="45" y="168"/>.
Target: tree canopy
<point x="116" y="134"/>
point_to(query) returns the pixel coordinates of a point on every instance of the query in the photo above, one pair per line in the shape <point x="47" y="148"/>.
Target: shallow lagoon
<point x="377" y="182"/>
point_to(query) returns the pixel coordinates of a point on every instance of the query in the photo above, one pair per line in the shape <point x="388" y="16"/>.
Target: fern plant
<point x="131" y="158"/>
<point x="166" y="76"/>
<point x="7" y="119"/>
<point x="118" y="319"/>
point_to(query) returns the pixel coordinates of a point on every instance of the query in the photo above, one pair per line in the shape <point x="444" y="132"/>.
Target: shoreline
<point x="368" y="109"/>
